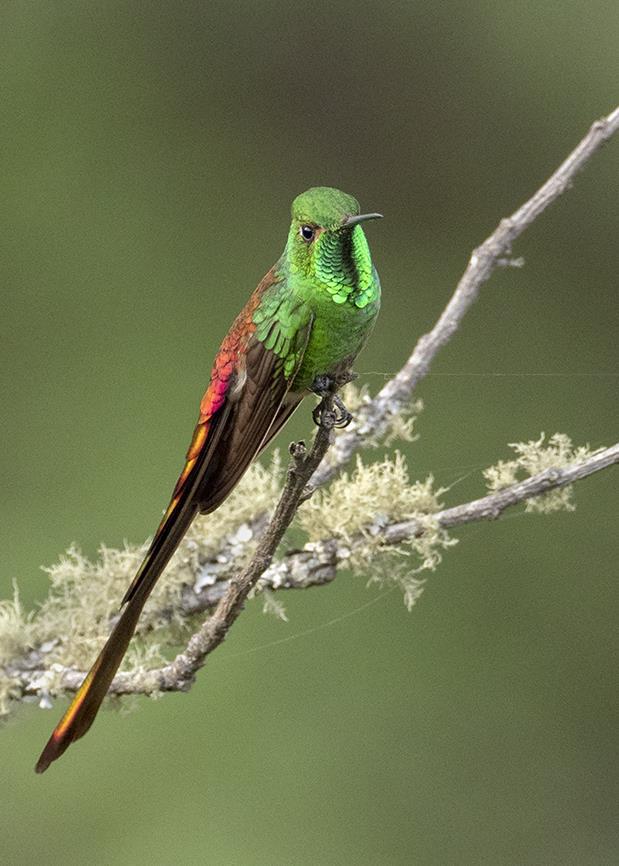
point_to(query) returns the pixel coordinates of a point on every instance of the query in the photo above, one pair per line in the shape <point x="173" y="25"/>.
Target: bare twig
<point x="372" y="419"/>
<point x="316" y="564"/>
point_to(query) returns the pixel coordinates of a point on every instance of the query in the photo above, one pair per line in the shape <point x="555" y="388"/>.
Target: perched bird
<point x="302" y="328"/>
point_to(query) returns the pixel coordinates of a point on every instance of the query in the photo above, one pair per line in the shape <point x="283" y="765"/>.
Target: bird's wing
<point x="263" y="402"/>
<point x="290" y="405"/>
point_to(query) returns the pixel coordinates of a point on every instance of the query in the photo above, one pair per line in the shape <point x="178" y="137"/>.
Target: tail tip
<point x="53" y="750"/>
<point x="43" y="763"/>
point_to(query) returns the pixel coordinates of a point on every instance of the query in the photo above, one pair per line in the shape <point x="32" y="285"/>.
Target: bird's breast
<point x="338" y="334"/>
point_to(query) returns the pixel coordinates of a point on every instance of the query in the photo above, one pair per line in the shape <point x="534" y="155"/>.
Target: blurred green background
<point x="150" y="152"/>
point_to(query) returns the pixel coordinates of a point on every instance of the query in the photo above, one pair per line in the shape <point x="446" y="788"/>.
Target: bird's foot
<point x="336" y="414"/>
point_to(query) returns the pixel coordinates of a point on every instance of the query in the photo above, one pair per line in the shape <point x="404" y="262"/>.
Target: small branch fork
<point x="317" y="563"/>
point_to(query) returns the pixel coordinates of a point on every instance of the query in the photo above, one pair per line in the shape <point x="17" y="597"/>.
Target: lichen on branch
<point x="357" y="506"/>
<point x="535" y="456"/>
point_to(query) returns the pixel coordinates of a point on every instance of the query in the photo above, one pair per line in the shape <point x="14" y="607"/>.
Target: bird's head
<point x="327" y="244"/>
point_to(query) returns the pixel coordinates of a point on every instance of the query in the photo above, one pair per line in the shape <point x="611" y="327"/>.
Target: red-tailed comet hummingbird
<point x="300" y="332"/>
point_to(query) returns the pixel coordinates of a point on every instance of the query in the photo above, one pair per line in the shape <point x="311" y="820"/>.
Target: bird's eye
<point x="307" y="233"/>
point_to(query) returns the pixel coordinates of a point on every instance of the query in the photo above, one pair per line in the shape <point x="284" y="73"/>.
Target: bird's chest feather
<point x="337" y="336"/>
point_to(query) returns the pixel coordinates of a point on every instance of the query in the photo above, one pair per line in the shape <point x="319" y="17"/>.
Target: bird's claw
<point x="344" y="417"/>
<point x="338" y="416"/>
<point x="323" y="417"/>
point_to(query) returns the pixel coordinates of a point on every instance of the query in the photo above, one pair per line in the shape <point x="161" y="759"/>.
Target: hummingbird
<point x="299" y="333"/>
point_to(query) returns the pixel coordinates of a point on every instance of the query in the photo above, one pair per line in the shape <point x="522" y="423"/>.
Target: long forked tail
<point x="85" y="705"/>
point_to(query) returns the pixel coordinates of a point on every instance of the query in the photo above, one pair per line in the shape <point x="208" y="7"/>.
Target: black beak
<point x="361" y="218"/>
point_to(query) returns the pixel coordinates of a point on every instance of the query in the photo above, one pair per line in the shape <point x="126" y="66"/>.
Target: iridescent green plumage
<point x="330" y="278"/>
<point x="307" y="320"/>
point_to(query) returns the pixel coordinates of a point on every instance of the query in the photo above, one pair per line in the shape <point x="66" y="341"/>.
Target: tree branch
<point x="317" y="563"/>
<point x="492" y="506"/>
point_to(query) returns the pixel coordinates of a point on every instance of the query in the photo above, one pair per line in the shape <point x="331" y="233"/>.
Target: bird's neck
<point x="340" y="269"/>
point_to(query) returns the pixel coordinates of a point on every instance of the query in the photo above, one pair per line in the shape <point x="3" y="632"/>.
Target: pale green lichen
<point x="15" y="638"/>
<point x="272" y="605"/>
<point x="357" y="506"/>
<point x="399" y="425"/>
<point x="355" y="396"/>
<point x="353" y="501"/>
<point x="533" y="457"/>
<point x="9" y="691"/>
<point x="395" y="573"/>
<point x="15" y="628"/>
